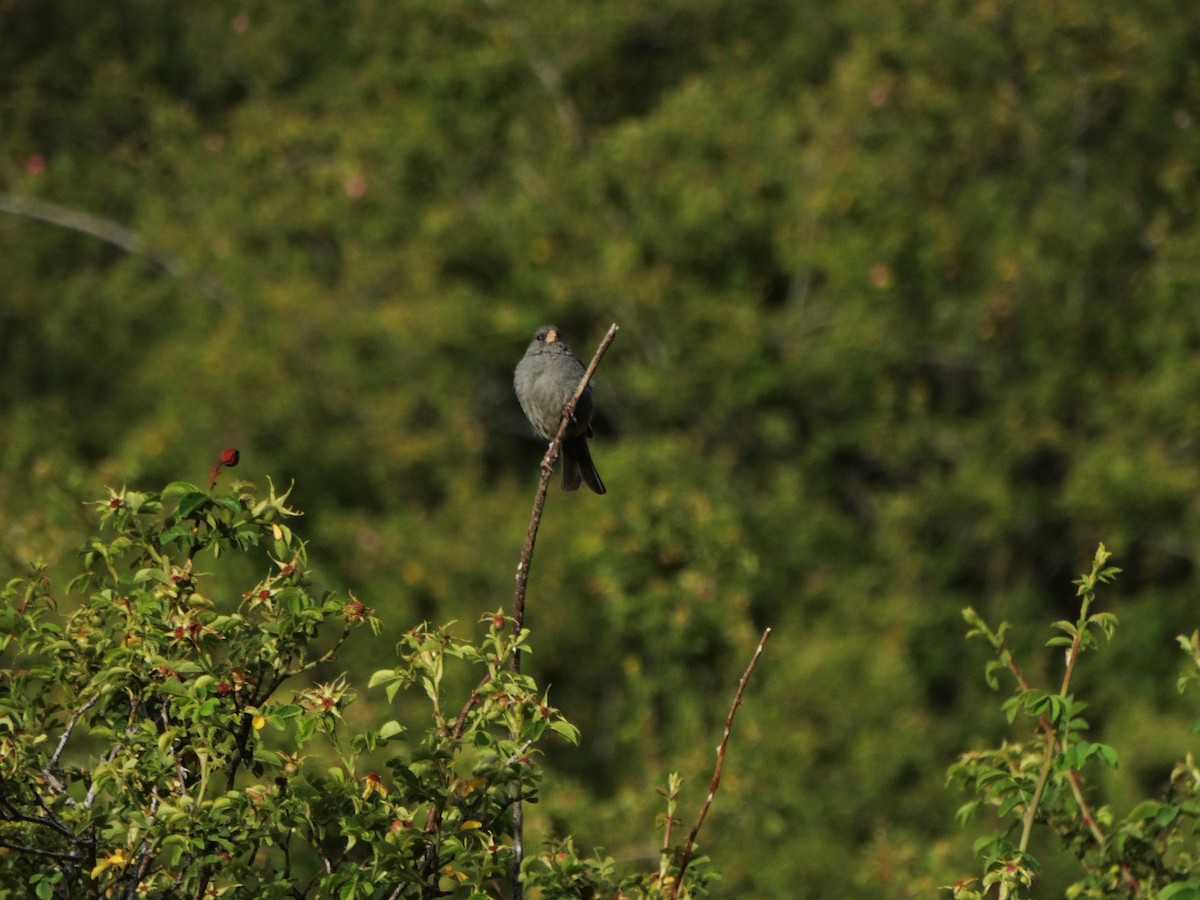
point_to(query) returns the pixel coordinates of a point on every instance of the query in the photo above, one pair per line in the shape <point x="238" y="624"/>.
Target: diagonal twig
<point x="539" y="500"/>
<point x="48" y="772"/>
<point x="673" y="888"/>
<point x="547" y="73"/>
<point x="111" y="233"/>
<point x="522" y="578"/>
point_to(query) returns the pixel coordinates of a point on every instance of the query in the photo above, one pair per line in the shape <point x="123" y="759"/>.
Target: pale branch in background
<point x="111" y="233"/>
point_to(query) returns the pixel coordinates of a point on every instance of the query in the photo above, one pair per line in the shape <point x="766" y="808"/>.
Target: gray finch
<point x="545" y="380"/>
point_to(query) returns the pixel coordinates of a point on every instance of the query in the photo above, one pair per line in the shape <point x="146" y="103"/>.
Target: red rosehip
<point x="230" y="457"/>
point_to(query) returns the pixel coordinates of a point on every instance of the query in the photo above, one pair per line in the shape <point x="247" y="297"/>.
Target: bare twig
<point x="539" y="500"/>
<point x="461" y="722"/>
<point x="180" y="771"/>
<point x="522" y="578"/>
<point x="85" y="223"/>
<point x="92" y="792"/>
<point x="686" y="858"/>
<point x="47" y="773"/>
<point x="109" y="232"/>
<point x="520" y="751"/>
<point x="50" y="818"/>
<point x="38" y="851"/>
<point x="547" y="73"/>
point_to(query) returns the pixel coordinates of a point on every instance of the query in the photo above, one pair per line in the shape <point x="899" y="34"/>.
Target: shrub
<point x="173" y="736"/>
<point x="1151" y="852"/>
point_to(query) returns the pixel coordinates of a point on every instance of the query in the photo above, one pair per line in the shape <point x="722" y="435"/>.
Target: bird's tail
<point x="578" y="466"/>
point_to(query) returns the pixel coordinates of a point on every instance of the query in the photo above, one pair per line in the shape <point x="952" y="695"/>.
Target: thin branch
<point x="143" y="854"/>
<point x="539" y="500"/>
<point x="109" y="232"/>
<point x="50" y="818"/>
<point x="66" y="736"/>
<point x="328" y="656"/>
<point x="180" y="771"/>
<point x="84" y="223"/>
<point x="1085" y="811"/>
<point x="522" y="578"/>
<point x="547" y="74"/>
<point x="520" y="752"/>
<point x="47" y="821"/>
<point x="241" y="735"/>
<point x="38" y="851"/>
<point x="1051" y="737"/>
<point x="673" y="888"/>
<point x="90" y="798"/>
<point x="1051" y="742"/>
<point x="461" y="722"/>
<point x="664" y="855"/>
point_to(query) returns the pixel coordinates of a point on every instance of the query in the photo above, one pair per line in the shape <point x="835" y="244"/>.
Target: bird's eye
<point x="541" y="337"/>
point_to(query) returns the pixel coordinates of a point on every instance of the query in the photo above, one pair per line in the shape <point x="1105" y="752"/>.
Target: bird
<point x="545" y="379"/>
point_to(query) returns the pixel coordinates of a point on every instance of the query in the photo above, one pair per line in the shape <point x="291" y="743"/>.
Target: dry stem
<point x="673" y="888"/>
<point x="522" y="578"/>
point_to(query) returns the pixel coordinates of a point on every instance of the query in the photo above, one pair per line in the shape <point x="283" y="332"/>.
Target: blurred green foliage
<point x="907" y="298"/>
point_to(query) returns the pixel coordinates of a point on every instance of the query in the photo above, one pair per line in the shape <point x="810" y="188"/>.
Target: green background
<point x="908" y="304"/>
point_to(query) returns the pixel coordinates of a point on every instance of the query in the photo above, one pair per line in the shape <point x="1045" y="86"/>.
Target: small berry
<point x="230" y="457"/>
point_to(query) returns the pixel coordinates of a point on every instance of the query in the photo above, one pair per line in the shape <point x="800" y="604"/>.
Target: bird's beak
<point x="551" y="336"/>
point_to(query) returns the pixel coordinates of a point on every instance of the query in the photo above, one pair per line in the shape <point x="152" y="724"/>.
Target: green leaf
<point x="179" y="489"/>
<point x="190" y="503"/>
<point x="1181" y="890"/>
<point x="1145" y="811"/>
<point x="391" y="729"/>
<point x="565" y="730"/>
